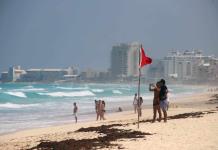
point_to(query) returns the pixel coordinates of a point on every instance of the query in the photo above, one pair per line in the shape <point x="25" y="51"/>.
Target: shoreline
<point x="179" y="98"/>
<point x="31" y="137"/>
<point x="182" y="100"/>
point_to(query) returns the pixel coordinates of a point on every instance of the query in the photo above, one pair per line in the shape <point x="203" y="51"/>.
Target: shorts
<point x="164" y="104"/>
<point x="75" y="114"/>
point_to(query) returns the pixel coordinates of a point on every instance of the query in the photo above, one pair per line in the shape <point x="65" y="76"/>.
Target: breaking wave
<point x="17" y="94"/>
<point x="98" y="90"/>
<point x="69" y="94"/>
<point x="117" y="92"/>
<point x="12" y="105"/>
<point x="64" y="88"/>
<point x="29" y="90"/>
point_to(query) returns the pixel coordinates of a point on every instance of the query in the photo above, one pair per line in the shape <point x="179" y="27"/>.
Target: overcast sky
<point x="62" y="33"/>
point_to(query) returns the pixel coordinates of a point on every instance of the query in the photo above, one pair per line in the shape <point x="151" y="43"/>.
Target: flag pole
<point x="139" y="84"/>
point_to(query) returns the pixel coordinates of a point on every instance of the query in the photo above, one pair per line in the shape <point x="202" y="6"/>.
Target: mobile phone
<point x="151" y="86"/>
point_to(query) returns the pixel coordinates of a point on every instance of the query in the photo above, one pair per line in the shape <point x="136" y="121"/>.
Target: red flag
<point x="144" y="59"/>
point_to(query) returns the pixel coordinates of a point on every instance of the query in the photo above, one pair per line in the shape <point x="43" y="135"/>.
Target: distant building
<point x="45" y="75"/>
<point x="4" y="77"/>
<point x="89" y="74"/>
<point x="187" y="65"/>
<point x="15" y="74"/>
<point x="124" y="60"/>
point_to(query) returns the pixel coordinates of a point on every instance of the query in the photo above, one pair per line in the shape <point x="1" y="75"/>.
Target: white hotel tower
<point x="184" y="65"/>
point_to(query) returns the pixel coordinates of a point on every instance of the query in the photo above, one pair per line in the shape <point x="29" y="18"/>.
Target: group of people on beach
<point x="100" y="109"/>
<point x="214" y="89"/>
<point x="137" y="103"/>
<point x="160" y="102"/>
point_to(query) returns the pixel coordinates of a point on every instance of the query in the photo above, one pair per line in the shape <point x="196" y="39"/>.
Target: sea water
<point x="33" y="105"/>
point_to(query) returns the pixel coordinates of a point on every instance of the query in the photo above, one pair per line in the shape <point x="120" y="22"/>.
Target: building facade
<point x="188" y="65"/>
<point x="124" y="60"/>
<point x="15" y="74"/>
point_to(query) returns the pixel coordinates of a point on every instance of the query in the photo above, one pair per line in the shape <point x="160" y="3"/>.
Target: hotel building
<point x="15" y="74"/>
<point x="189" y="65"/>
<point x="124" y="60"/>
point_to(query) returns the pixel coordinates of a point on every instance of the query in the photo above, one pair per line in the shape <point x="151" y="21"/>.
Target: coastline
<point x="197" y="102"/>
<point x="40" y="105"/>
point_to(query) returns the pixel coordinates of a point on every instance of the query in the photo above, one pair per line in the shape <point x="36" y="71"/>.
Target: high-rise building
<point x="124" y="60"/>
<point x="186" y="65"/>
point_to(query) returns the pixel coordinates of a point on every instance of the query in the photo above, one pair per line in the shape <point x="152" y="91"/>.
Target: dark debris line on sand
<point x="182" y="116"/>
<point x="214" y="100"/>
<point x="111" y="134"/>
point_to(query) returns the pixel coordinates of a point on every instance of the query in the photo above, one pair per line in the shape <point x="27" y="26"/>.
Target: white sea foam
<point x="117" y="92"/>
<point x="71" y="88"/>
<point x="64" y="88"/>
<point x="69" y="94"/>
<point x="12" y="105"/>
<point x="28" y="90"/>
<point x="81" y="88"/>
<point x="124" y="88"/>
<point x="17" y="94"/>
<point x="98" y="90"/>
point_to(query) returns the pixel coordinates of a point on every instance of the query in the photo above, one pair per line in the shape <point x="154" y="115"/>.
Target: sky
<point x="81" y="33"/>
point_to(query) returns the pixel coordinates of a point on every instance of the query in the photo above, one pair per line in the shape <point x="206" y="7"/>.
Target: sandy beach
<point x="192" y="124"/>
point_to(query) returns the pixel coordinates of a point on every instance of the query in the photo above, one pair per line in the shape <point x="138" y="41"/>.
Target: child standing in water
<point x="75" y="110"/>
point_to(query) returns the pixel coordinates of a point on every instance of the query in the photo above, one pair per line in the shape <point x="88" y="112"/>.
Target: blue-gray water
<point x="25" y="105"/>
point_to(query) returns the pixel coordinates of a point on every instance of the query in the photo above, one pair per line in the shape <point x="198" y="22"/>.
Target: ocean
<point x="33" y="105"/>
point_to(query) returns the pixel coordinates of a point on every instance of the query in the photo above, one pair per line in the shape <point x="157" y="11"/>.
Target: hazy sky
<point x="62" y="33"/>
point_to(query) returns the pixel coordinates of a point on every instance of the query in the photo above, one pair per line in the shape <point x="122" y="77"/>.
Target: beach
<point x="192" y="124"/>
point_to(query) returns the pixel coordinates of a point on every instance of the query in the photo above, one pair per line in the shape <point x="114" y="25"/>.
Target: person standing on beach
<point x="102" y="109"/>
<point x="98" y="108"/>
<point x="135" y="103"/>
<point x="139" y="106"/>
<point x="75" y="110"/>
<point x="156" y="100"/>
<point x="163" y="98"/>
